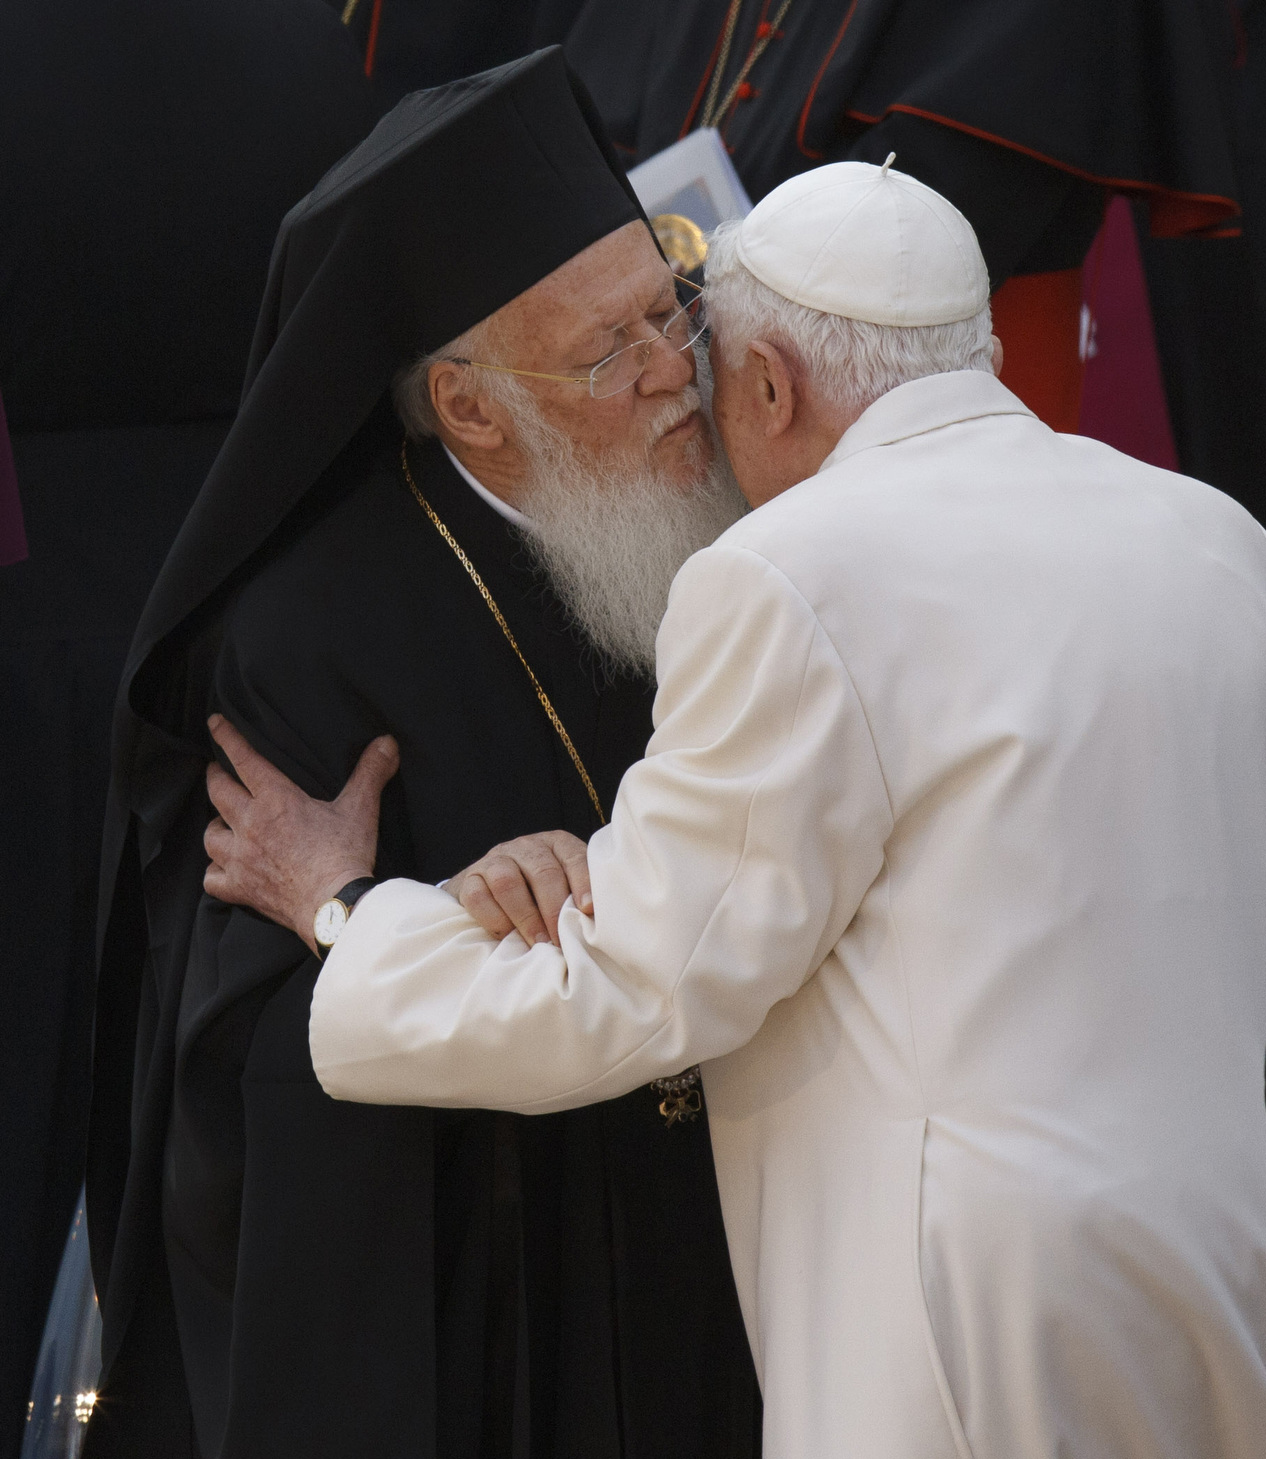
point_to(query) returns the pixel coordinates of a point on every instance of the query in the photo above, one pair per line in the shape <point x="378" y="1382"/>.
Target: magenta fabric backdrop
<point x="1123" y="395"/>
<point x="12" y="529"/>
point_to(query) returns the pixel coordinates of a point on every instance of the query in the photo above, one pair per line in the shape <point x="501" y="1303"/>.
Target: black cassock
<point x="361" y="1280"/>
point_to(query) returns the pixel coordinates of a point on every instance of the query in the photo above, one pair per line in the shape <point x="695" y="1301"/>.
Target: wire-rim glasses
<point x="623" y="368"/>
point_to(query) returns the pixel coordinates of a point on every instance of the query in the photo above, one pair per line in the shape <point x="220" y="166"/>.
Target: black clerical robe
<point x="349" y="1280"/>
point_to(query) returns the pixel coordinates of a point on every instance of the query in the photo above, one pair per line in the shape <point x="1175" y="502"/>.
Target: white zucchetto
<point x="866" y="243"/>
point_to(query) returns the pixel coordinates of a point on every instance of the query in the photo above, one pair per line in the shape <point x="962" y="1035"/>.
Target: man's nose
<point x="667" y="369"/>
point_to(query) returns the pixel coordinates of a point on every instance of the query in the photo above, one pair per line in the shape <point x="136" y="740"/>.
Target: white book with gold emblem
<point x="687" y="189"/>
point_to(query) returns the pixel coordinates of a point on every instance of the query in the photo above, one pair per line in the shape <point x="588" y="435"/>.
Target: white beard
<point x="610" y="533"/>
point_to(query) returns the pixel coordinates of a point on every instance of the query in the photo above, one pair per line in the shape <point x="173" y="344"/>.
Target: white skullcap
<point x="866" y="243"/>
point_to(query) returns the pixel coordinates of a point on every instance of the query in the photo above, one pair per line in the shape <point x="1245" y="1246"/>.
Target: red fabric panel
<point x="1037" y="318"/>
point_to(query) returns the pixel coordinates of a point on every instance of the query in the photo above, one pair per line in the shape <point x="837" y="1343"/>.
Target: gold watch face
<point x="330" y="919"/>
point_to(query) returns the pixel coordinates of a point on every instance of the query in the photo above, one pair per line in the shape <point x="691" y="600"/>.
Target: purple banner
<point x="1123" y="396"/>
<point x="12" y="529"/>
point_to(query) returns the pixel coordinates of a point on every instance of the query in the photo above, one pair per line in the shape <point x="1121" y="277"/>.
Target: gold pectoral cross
<point x="681" y="1098"/>
<point x="684" y="1107"/>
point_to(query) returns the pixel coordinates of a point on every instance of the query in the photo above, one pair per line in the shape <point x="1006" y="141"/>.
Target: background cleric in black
<point x="1026" y="114"/>
<point x="148" y="153"/>
<point x="281" y="1273"/>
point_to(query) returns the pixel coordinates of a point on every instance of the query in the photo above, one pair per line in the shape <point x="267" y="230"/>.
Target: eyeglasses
<point x="623" y="369"/>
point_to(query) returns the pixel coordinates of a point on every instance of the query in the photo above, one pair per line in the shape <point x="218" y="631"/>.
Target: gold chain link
<point x="504" y="627"/>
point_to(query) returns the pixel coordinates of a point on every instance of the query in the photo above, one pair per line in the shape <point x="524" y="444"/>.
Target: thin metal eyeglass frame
<point x="645" y="345"/>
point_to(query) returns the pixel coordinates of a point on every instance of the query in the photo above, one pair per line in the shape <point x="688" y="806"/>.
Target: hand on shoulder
<point x="280" y="851"/>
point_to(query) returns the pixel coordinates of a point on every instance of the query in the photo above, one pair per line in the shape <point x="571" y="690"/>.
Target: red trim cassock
<point x="1027" y="114"/>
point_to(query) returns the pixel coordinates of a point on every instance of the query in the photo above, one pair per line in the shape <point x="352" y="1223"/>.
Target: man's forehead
<point x="622" y="271"/>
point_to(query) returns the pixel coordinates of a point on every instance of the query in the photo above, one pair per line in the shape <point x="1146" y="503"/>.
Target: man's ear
<point x="775" y="399"/>
<point x="468" y="416"/>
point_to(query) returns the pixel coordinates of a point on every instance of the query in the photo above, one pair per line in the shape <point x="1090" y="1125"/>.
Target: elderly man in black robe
<point x="470" y="456"/>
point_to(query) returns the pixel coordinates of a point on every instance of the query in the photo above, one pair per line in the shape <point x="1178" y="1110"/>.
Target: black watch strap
<point x="349" y="896"/>
<point x="354" y="891"/>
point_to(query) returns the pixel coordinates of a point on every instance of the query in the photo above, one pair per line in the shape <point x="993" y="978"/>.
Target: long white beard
<point x="610" y="533"/>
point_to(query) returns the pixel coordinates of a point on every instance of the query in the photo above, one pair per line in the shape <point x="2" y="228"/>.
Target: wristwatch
<point x="331" y="917"/>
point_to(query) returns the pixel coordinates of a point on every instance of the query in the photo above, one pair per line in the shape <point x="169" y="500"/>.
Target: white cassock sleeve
<point x="737" y="853"/>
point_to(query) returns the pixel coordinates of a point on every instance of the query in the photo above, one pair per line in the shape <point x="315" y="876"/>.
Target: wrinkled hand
<point x="522" y="885"/>
<point x="276" y="849"/>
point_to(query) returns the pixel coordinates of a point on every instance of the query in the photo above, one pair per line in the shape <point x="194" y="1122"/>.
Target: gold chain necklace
<point x="504" y="627"/>
<point x="713" y="110"/>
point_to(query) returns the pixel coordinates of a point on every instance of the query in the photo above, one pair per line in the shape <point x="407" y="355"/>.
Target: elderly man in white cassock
<point x="945" y="863"/>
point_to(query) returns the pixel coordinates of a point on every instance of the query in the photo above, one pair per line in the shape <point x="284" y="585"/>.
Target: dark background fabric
<point x="1019" y="111"/>
<point x="1024" y="113"/>
<point x="1209" y="301"/>
<point x="369" y="1262"/>
<point x="66" y="616"/>
<point x="148" y="150"/>
<point x="428" y="42"/>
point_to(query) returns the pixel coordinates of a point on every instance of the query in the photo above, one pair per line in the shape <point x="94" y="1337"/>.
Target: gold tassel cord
<point x="714" y="110"/>
<point x="707" y="118"/>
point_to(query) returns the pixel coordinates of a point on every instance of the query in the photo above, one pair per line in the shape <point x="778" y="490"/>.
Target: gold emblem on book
<point x="683" y="242"/>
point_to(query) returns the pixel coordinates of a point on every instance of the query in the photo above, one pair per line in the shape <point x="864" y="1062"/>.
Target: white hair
<point x="411" y="388"/>
<point x="848" y="363"/>
<point x="610" y="529"/>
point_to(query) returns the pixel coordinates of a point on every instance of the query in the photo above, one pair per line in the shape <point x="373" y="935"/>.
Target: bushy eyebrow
<point x="665" y="296"/>
<point x="593" y="343"/>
